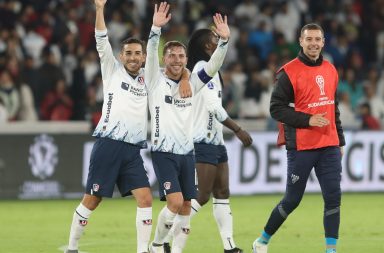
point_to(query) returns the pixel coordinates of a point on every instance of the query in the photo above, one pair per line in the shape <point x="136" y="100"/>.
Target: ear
<point x="300" y="41"/>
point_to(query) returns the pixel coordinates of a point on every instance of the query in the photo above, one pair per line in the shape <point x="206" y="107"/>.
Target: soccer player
<point x="121" y="133"/>
<point x="172" y="126"/>
<point x="304" y="100"/>
<point x="210" y="152"/>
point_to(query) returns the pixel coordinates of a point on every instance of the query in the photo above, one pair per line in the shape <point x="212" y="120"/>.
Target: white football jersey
<point x="172" y="120"/>
<point x="125" y="108"/>
<point x="208" y="111"/>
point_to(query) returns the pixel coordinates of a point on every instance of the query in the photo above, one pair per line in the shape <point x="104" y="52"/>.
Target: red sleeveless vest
<point x="314" y="88"/>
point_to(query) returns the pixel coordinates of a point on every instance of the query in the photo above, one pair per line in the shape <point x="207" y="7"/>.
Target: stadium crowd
<point x="49" y="67"/>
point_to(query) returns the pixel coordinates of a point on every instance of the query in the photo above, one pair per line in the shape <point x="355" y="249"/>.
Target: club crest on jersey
<point x="95" y="187"/>
<point x="167" y="185"/>
<point x="168" y="99"/>
<point x="124" y="86"/>
<point x="210" y="85"/>
<point x="141" y="80"/>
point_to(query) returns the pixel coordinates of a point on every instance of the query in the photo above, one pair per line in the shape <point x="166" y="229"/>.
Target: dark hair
<point x="173" y="43"/>
<point x="311" y="26"/>
<point x="196" y="47"/>
<point x="133" y="40"/>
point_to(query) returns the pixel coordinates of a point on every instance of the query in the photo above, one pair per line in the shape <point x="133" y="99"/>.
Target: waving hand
<point x="221" y="27"/>
<point x="161" y="15"/>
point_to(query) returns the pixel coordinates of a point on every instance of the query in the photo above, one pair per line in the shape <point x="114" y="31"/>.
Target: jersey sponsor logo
<point x="168" y="99"/>
<point x="125" y="86"/>
<point x="109" y="106"/>
<point x="157" y="121"/>
<point x="167" y="185"/>
<point x="210" y="121"/>
<point x="140" y="92"/>
<point x="320" y="82"/>
<point x="210" y="85"/>
<point x="181" y="103"/>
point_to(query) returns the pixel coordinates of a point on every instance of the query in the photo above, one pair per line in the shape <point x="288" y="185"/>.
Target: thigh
<point x="132" y="174"/>
<point x="166" y="167"/>
<point x="104" y="167"/>
<point x="300" y="164"/>
<point x="188" y="178"/>
<point x="328" y="171"/>
<point x="221" y="185"/>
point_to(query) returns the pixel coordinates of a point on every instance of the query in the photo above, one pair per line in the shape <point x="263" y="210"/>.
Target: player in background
<point x="172" y="126"/>
<point x="121" y="133"/>
<point x="210" y="152"/>
<point x="304" y="100"/>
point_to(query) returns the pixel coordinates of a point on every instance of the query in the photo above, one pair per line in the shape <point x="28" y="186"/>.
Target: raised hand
<point x="100" y="3"/>
<point x="221" y="27"/>
<point x="161" y="15"/>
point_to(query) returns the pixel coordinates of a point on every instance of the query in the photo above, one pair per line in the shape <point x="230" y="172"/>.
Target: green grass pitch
<point x="43" y="226"/>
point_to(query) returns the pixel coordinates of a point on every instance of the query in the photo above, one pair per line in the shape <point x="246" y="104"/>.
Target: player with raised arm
<point x="121" y="133"/>
<point x="172" y="126"/>
<point x="210" y="152"/>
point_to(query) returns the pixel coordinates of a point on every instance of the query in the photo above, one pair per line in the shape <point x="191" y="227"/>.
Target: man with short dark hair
<point x="304" y="101"/>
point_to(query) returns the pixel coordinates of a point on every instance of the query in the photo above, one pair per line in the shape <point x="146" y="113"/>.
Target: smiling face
<point x="132" y="57"/>
<point x="175" y="59"/>
<point x="312" y="42"/>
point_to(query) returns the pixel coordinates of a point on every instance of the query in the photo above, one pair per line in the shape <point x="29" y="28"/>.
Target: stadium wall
<point x="51" y="161"/>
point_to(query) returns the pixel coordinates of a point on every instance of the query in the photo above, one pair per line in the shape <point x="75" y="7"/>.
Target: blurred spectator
<point x="353" y="87"/>
<point x="347" y="116"/>
<point x="368" y="121"/>
<point x="57" y="104"/>
<point x="9" y="94"/>
<point x="375" y="102"/>
<point x="3" y="113"/>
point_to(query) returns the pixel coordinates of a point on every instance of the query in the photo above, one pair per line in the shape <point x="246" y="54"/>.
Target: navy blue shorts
<point x="209" y="153"/>
<point x="115" y="163"/>
<point x="175" y="173"/>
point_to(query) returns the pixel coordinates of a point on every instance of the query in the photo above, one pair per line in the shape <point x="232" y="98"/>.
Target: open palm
<point x="160" y="15"/>
<point x="221" y="27"/>
<point x="100" y="3"/>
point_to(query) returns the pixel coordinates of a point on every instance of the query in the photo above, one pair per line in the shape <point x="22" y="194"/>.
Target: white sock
<point x="143" y="228"/>
<point x="195" y="207"/>
<point x="79" y="221"/>
<point x="223" y="217"/>
<point x="180" y="232"/>
<point x="164" y="224"/>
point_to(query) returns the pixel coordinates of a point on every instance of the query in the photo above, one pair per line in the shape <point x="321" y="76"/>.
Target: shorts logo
<point x="167" y="185"/>
<point x="294" y="178"/>
<point x="95" y="187"/>
<point x="83" y="223"/>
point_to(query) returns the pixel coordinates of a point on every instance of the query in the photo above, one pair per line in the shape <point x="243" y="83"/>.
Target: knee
<point x="289" y="203"/>
<point x="221" y="193"/>
<point x="203" y="198"/>
<point x="91" y="202"/>
<point x="144" y="201"/>
<point x="332" y="199"/>
<point x="175" y="205"/>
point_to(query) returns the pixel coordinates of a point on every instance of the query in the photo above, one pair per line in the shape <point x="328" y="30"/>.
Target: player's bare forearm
<point x="185" y="87"/>
<point x="160" y="15"/>
<point x="100" y="22"/>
